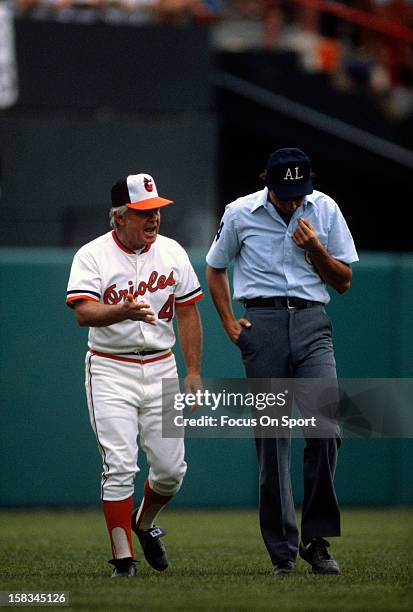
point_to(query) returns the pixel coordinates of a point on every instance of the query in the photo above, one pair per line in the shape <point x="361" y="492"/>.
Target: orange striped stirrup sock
<point x="117" y="515"/>
<point x="150" y="507"/>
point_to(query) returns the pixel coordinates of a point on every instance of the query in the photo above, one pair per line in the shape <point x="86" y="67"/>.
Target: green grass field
<point x="217" y="562"/>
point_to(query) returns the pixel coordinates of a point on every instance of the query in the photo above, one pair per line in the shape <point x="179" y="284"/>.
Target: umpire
<point x="288" y="242"/>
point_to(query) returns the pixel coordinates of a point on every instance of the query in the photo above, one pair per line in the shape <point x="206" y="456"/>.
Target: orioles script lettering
<point x="155" y="282"/>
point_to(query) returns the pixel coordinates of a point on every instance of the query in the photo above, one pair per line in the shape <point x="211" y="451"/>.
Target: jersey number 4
<point x="167" y="310"/>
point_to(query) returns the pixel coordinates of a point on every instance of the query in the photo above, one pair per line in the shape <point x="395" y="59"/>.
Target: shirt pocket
<point x="259" y="253"/>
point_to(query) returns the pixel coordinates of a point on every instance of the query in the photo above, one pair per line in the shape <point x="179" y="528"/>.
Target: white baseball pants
<point x="125" y="401"/>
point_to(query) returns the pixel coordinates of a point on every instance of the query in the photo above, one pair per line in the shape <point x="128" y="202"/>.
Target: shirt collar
<point x="125" y="249"/>
<point x="263" y="201"/>
<point x="309" y="199"/>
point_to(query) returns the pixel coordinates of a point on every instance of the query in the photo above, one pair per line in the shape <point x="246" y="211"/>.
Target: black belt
<point x="280" y="302"/>
<point x="144" y="352"/>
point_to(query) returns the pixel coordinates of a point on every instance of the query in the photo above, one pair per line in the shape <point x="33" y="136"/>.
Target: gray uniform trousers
<point x="292" y="343"/>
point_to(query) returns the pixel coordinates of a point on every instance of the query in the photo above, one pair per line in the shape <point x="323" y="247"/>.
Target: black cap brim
<point x="288" y="192"/>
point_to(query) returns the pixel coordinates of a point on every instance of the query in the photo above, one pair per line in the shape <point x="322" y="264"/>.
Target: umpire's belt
<point x="280" y="303"/>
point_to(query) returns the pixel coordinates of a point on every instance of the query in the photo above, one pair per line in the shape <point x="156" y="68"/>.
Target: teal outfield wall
<point x="47" y="450"/>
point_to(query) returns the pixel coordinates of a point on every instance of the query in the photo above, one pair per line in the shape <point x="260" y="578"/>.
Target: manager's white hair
<point x="121" y="210"/>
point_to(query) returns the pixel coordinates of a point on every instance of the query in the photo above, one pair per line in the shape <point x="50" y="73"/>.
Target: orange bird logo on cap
<point x="148" y="184"/>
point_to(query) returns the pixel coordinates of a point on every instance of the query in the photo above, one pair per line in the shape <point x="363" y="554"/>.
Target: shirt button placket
<point x="287" y="256"/>
<point x="138" y="268"/>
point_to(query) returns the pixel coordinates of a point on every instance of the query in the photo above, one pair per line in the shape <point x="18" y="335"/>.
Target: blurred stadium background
<point x="197" y="93"/>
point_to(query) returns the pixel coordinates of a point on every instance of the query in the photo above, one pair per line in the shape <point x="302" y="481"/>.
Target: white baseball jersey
<point x="161" y="274"/>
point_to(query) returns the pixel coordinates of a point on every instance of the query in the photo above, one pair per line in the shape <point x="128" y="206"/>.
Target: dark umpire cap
<point x="137" y="191"/>
<point x="289" y="174"/>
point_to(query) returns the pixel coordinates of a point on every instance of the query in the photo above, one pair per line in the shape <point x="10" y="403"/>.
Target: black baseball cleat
<point x="284" y="567"/>
<point x="124" y="568"/>
<point x="152" y="547"/>
<point x="317" y="555"/>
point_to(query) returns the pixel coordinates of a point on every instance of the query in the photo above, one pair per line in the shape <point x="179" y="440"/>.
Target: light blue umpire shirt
<point x="267" y="263"/>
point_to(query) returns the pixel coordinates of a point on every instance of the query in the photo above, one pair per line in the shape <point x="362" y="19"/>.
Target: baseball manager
<point x="126" y="286"/>
<point x="288" y="241"/>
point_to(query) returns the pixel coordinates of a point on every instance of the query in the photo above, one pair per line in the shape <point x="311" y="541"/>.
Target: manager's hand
<point x="138" y="311"/>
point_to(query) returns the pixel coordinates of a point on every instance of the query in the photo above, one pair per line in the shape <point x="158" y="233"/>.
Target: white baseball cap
<point x="137" y="191"/>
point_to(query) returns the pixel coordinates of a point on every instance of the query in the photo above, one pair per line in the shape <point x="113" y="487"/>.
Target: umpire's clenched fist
<point x="305" y="236"/>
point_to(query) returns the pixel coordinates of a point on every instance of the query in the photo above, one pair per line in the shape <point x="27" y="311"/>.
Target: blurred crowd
<point x="358" y="57"/>
<point x="352" y="48"/>
<point x="357" y="52"/>
<point x="133" y="11"/>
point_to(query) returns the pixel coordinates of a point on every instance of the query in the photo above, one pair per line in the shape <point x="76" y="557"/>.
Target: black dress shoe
<point x="317" y="555"/>
<point x="284" y="567"/>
